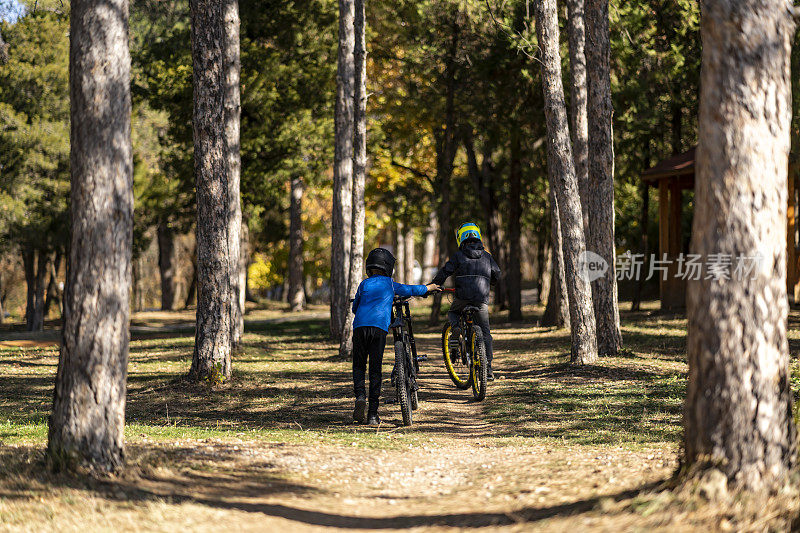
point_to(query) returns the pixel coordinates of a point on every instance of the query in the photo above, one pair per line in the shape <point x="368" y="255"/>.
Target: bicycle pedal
<point x="422" y="358"/>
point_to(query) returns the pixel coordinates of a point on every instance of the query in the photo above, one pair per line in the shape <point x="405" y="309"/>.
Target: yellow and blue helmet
<point x="470" y="230"/>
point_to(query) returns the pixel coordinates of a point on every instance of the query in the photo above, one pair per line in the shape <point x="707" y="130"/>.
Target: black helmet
<point x="381" y="259"/>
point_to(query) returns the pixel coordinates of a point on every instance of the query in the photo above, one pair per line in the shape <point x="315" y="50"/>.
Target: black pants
<point x="368" y="342"/>
<point x="481" y="319"/>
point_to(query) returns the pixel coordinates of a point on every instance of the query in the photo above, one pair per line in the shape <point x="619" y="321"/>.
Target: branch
<point x="418" y="173"/>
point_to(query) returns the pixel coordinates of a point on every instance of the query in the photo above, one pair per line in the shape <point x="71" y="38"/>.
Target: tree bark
<point x="400" y="252"/>
<point x="514" y="275"/>
<point x="297" y="296"/>
<point x="576" y="32"/>
<point x="86" y="426"/>
<point x="35" y="265"/>
<point x="644" y="244"/>
<point x="166" y="264"/>
<point x="232" y="120"/>
<point x="738" y="410"/>
<point x="409" y="255"/>
<point x="445" y="156"/>
<point x="601" y="175"/>
<point x="556" y="312"/>
<point x="53" y="292"/>
<point x="561" y="174"/>
<point x="429" y="248"/>
<point x="356" y="270"/>
<point x="341" y="218"/>
<point x="211" y="360"/>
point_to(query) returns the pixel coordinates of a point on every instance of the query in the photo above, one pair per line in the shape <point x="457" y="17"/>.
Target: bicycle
<point x="470" y="366"/>
<point x="406" y="360"/>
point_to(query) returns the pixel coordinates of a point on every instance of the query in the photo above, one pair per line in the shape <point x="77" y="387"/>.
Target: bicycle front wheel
<point x="456" y="364"/>
<point x="480" y="366"/>
<point x="401" y="382"/>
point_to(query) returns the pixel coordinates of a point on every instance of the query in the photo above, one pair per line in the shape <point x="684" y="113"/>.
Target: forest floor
<point x="553" y="447"/>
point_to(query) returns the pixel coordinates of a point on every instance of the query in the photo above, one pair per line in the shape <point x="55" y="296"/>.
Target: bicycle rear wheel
<point x="459" y="371"/>
<point x="480" y="366"/>
<point x="401" y="382"/>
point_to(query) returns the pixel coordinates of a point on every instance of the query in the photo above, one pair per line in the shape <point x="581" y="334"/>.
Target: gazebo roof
<point x="675" y="166"/>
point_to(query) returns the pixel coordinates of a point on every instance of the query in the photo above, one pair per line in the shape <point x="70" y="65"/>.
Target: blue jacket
<point x="373" y="302"/>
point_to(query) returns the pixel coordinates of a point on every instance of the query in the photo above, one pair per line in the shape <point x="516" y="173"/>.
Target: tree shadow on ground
<point x="592" y="404"/>
<point x="217" y="476"/>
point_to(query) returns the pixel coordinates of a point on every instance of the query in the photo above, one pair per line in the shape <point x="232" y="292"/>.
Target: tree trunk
<point x="576" y="31"/>
<point x="400" y="252"/>
<point x="86" y="426"/>
<point x="53" y="292"/>
<point x="445" y="156"/>
<point x="514" y="267"/>
<point x="561" y="174"/>
<point x="166" y="264"/>
<point x="429" y="248"/>
<point x="244" y="262"/>
<point x="644" y="246"/>
<point x="232" y="119"/>
<point x="601" y="175"/>
<point x="356" y="271"/>
<point x="136" y="285"/>
<point x="297" y="296"/>
<point x="35" y="265"/>
<point x="410" y="255"/>
<point x="556" y="312"/>
<point x="738" y="410"/>
<point x="341" y="218"/>
<point x="211" y="360"/>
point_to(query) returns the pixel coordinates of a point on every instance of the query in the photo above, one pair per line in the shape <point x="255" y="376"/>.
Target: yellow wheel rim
<point x="449" y="363"/>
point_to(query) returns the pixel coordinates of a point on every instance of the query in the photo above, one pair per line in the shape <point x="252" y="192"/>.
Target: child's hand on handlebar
<point x="432" y="287"/>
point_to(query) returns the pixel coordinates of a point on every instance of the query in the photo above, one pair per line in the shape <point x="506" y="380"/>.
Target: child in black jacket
<point x="474" y="271"/>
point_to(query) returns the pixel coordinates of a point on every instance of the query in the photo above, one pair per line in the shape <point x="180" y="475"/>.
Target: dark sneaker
<point x="374" y="420"/>
<point x="489" y="374"/>
<point x="360" y="412"/>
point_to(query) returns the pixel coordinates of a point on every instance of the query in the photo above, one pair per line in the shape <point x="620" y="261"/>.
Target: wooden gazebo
<point x="674" y="175"/>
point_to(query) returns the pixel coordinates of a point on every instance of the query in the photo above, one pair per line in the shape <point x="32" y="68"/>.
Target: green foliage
<point x="34" y="131"/>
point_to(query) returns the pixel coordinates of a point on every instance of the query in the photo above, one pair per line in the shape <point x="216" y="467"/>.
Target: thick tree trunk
<point x="232" y="119"/>
<point x="738" y="410"/>
<point x="514" y="267"/>
<point x="297" y="296"/>
<point x="576" y="31"/>
<point x="556" y="312"/>
<point x="86" y="426"/>
<point x="429" y="248"/>
<point x="341" y="218"/>
<point x="561" y="174"/>
<point x="166" y="264"/>
<point x="356" y="271"/>
<point x="601" y="175"/>
<point x="211" y="360"/>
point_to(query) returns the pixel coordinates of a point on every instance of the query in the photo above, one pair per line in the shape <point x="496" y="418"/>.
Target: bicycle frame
<point x="401" y="325"/>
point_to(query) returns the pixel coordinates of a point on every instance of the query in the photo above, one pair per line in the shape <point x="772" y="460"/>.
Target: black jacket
<point x="474" y="271"/>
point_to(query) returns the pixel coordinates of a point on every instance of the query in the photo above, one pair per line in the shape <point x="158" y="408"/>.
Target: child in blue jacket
<point x="373" y="314"/>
